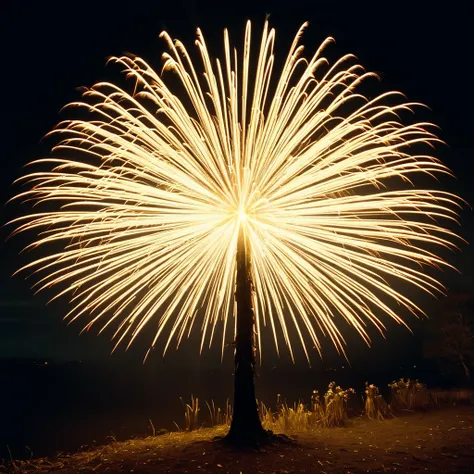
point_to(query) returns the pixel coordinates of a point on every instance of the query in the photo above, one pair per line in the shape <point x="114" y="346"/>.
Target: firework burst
<point x="318" y="177"/>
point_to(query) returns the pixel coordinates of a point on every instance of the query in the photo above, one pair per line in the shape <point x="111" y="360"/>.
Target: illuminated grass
<point x="436" y="440"/>
<point x="375" y="406"/>
<point x="409" y="395"/>
<point x="285" y="419"/>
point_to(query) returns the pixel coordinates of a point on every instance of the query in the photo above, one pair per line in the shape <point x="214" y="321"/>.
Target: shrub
<point x="409" y="395"/>
<point x="329" y="412"/>
<point x="375" y="407"/>
<point x="335" y="405"/>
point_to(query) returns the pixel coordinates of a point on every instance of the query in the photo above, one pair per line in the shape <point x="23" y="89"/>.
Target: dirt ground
<point x="436" y="441"/>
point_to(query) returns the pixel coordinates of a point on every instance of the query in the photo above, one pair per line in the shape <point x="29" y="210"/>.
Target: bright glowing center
<point x="242" y="215"/>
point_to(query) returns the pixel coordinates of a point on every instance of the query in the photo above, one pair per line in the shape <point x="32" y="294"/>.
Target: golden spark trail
<point x="322" y="180"/>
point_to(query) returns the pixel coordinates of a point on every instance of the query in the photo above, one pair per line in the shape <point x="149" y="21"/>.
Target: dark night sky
<point x="51" y="48"/>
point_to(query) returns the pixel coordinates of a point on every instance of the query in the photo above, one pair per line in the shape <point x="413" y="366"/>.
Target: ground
<point x="435" y="441"/>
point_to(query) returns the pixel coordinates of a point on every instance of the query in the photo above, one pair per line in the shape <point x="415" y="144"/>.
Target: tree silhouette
<point x="450" y="335"/>
<point x="242" y="199"/>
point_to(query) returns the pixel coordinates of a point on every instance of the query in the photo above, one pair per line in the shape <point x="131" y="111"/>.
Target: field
<point x="434" y="441"/>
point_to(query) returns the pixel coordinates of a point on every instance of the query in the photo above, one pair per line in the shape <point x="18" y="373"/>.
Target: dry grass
<point x="439" y="398"/>
<point x="329" y="412"/>
<point x="335" y="405"/>
<point x="121" y="453"/>
<point x="295" y="420"/>
<point x="441" y="441"/>
<point x="409" y="395"/>
<point x="220" y="417"/>
<point x="191" y="415"/>
<point x="375" y="407"/>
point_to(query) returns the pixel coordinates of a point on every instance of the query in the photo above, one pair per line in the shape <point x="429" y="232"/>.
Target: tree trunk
<point x="246" y="427"/>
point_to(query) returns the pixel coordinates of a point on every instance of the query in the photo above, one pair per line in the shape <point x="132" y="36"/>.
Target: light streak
<point x="320" y="177"/>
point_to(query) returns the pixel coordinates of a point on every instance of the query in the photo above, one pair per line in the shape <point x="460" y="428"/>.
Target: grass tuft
<point x="191" y="415"/>
<point x="409" y="395"/>
<point x="375" y="407"/>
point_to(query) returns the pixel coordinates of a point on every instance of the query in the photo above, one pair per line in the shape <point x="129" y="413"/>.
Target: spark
<point x="242" y="215"/>
<point x="151" y="188"/>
